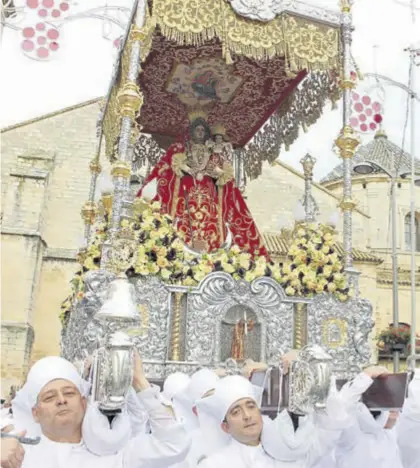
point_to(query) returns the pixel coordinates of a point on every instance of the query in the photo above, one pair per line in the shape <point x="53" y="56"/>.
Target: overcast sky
<point x="83" y="68"/>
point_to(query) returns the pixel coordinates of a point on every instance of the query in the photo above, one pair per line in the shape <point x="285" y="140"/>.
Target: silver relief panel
<point x="211" y="305"/>
<point x="342" y="329"/>
<point x="82" y="334"/>
<point x="155" y="298"/>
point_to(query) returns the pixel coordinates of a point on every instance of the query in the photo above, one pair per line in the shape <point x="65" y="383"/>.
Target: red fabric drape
<point x="201" y="209"/>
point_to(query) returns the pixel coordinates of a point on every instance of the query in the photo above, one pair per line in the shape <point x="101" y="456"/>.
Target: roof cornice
<point x="50" y="115"/>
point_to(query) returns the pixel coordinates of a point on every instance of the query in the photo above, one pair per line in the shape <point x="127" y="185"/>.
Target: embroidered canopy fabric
<point x="176" y="78"/>
<point x="201" y="52"/>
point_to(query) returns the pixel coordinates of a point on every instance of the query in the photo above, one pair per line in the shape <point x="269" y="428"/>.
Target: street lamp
<point x="367" y="167"/>
<point x="414" y="52"/>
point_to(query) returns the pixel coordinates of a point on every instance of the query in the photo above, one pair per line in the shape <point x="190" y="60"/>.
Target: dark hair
<point x="375" y="414"/>
<point x="197" y="123"/>
<point x="295" y="420"/>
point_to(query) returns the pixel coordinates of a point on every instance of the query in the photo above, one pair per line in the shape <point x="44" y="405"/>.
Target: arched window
<point x="407" y="232"/>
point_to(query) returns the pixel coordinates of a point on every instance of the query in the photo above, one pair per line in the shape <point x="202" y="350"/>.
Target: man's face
<point x="60" y="407"/>
<point x="392" y="419"/>
<point x="199" y="133"/>
<point x="244" y="422"/>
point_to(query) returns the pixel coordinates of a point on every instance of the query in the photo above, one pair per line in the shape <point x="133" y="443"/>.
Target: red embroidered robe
<point x="201" y="208"/>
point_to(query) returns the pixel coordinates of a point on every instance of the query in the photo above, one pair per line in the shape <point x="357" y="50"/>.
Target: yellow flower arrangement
<point x="312" y="266"/>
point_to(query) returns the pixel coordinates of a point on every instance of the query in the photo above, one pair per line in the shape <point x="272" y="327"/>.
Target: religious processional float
<point x="203" y="93"/>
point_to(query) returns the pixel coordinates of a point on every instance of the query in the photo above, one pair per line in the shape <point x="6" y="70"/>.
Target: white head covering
<point x="174" y="384"/>
<point x="227" y="392"/>
<point x="212" y="410"/>
<point x="201" y="382"/>
<point x="42" y="372"/>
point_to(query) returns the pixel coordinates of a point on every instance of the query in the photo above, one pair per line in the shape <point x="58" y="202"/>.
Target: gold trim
<point x="306" y="44"/>
<point x="89" y="212"/>
<point x="106" y="199"/>
<point x="176" y="197"/>
<point x="176" y="327"/>
<point x="348" y="204"/>
<point x="121" y="169"/>
<point x="300" y="315"/>
<point x="95" y="166"/>
<point x="347" y="142"/>
<point x="219" y="214"/>
<point x="81" y="255"/>
<point x="345" y="6"/>
<point x="145" y="319"/>
<point x="130" y="100"/>
<point x="137" y="34"/>
<point x="347" y="84"/>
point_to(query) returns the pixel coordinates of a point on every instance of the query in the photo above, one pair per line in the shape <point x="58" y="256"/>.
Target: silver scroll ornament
<point x="310" y="380"/>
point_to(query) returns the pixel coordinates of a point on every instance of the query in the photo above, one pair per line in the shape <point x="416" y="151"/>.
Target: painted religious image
<point x="204" y="81"/>
<point x="195" y="185"/>
<point x="241" y="334"/>
<point x="241" y="329"/>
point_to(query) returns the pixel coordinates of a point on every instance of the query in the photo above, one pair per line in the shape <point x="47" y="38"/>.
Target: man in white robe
<point x="185" y="403"/>
<point x="175" y="384"/>
<point x="408" y="427"/>
<point x="54" y="395"/>
<point x="249" y="441"/>
<point x="370" y="440"/>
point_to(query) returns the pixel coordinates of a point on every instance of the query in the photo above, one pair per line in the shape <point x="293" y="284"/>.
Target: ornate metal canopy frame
<point x="306" y="36"/>
<point x="287" y="35"/>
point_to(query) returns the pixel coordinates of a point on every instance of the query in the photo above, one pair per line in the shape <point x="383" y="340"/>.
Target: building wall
<point x="373" y="196"/>
<point x="274" y="196"/>
<point x="45" y="180"/>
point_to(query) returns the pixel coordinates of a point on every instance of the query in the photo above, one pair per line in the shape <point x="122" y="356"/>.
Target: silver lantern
<point x="112" y="372"/>
<point x="310" y="380"/>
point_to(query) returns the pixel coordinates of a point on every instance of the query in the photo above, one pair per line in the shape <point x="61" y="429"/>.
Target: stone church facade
<point x="45" y="180"/>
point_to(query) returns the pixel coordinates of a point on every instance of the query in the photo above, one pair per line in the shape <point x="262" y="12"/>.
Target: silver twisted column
<point x="308" y="202"/>
<point x="347" y="142"/>
<point x="130" y="100"/>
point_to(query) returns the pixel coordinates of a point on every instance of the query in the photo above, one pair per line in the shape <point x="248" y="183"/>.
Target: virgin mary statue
<point x="195" y="185"/>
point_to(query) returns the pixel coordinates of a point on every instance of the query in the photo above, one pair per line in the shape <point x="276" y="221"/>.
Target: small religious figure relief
<point x="334" y="332"/>
<point x="240" y="334"/>
<point x="241" y="329"/>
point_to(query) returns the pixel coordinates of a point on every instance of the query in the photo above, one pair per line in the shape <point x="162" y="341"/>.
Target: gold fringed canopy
<point x="303" y="44"/>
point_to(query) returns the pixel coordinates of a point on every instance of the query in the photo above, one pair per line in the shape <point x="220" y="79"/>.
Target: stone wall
<point x="273" y="197"/>
<point x="45" y="180"/>
<point x="16" y="345"/>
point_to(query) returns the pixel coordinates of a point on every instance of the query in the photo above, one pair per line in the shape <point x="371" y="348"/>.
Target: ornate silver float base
<point x="184" y="329"/>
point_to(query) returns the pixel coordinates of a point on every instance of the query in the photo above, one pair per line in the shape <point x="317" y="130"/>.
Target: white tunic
<point x="408" y="426"/>
<point x="365" y="442"/>
<point x="167" y="445"/>
<point x="237" y="455"/>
